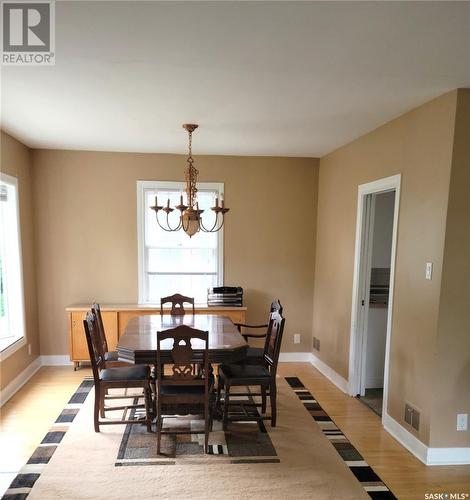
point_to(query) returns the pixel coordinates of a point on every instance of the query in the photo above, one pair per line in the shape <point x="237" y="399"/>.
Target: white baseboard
<point x="294" y="357"/>
<point x="308" y="357"/>
<point x="18" y="382"/>
<point x="405" y="438"/>
<point x="448" y="456"/>
<point x="329" y="373"/>
<point x="56" y="360"/>
<point x="427" y="455"/>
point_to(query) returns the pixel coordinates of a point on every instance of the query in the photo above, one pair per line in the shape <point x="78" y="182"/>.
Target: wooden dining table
<point x="139" y="343"/>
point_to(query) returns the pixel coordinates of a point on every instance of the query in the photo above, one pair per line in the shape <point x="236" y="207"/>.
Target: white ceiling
<point x="261" y="78"/>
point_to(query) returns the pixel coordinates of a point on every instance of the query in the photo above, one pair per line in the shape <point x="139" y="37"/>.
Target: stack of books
<point x="225" y="296"/>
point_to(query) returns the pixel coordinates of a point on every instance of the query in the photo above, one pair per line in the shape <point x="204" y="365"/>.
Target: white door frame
<point x="357" y="311"/>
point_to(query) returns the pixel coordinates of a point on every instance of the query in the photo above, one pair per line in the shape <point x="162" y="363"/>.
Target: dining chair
<point x="177" y="304"/>
<point x="183" y="391"/>
<point x="254" y="355"/>
<point x="233" y="375"/>
<point x="110" y="358"/>
<point x="124" y="377"/>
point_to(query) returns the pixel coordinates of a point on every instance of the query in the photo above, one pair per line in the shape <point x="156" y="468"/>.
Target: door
<point x="366" y="257"/>
<point x="371" y="319"/>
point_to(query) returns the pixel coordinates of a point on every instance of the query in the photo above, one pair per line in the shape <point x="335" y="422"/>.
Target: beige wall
<point x="16" y="161"/>
<point x="451" y="364"/>
<point x="419" y="146"/>
<point x="86" y="232"/>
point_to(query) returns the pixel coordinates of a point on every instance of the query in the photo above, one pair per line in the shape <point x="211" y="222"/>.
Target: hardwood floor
<point x="27" y="416"/>
<point x="404" y="474"/>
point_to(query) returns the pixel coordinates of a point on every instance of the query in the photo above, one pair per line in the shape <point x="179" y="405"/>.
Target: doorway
<point x="377" y="217"/>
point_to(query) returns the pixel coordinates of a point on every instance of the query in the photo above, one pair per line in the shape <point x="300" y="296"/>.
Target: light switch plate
<point x="429" y="270"/>
<point x="462" y="421"/>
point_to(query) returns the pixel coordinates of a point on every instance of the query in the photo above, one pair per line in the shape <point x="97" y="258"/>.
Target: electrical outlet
<point x="297" y="338"/>
<point x="462" y="421"/>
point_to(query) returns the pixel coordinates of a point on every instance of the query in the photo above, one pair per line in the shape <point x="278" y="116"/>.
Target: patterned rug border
<point x="24" y="481"/>
<point x="362" y="471"/>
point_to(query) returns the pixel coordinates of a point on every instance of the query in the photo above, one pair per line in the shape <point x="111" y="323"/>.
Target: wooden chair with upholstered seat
<point x="177" y="304"/>
<point x="254" y="355"/>
<point x="110" y="358"/>
<point x="124" y="377"/>
<point x="183" y="392"/>
<point x="239" y="374"/>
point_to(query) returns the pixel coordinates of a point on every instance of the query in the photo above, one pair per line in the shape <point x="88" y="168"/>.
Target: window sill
<point x="11" y="348"/>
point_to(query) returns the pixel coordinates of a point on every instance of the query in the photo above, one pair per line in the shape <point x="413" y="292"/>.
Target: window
<point x="172" y="262"/>
<point x="11" y="275"/>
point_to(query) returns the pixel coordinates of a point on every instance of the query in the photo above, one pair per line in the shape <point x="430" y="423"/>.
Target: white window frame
<point x="20" y="340"/>
<point x="142" y="187"/>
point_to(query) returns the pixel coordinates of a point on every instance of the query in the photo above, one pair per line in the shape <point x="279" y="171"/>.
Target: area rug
<point x="302" y="457"/>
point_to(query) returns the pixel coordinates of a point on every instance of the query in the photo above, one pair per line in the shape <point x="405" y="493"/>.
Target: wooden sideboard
<point x="115" y="318"/>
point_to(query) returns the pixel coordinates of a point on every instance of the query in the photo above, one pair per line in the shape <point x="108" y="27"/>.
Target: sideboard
<point x="115" y="318"/>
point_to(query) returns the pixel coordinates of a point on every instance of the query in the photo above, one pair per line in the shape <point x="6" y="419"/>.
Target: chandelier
<point x="190" y="219"/>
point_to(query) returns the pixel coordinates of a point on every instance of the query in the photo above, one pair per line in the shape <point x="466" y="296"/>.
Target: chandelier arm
<point x="221" y="225"/>
<point x="213" y="229"/>
<point x="201" y="224"/>
<point x="168" y="229"/>
<point x="178" y="227"/>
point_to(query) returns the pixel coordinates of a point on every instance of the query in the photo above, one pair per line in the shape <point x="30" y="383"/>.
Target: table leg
<point x="217" y="412"/>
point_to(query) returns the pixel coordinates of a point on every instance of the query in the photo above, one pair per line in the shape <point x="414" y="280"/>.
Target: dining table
<point x="138" y="344"/>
